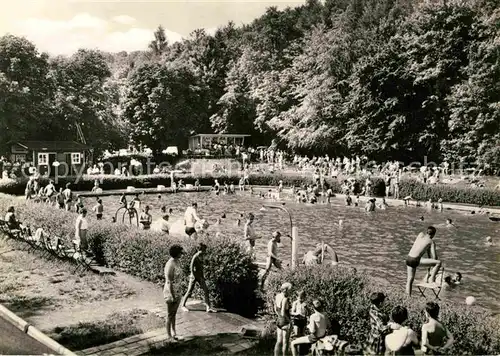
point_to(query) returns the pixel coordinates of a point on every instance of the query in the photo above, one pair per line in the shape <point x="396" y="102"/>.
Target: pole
<point x="295" y="247"/>
<point x="294" y="234"/>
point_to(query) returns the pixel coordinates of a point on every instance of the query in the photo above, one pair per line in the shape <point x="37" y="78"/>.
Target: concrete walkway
<point x="15" y="342"/>
<point x="195" y="323"/>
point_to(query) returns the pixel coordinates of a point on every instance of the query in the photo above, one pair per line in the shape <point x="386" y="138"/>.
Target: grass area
<point x="211" y="345"/>
<point x="115" y="327"/>
<point x="31" y="284"/>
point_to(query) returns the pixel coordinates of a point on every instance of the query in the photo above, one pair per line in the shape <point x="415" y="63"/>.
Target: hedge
<point x="231" y="275"/>
<point x="418" y="190"/>
<point x="345" y="294"/>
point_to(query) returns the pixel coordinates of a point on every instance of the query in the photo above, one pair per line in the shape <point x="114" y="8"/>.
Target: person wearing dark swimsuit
<point x="423" y="243"/>
<point x="284" y="320"/>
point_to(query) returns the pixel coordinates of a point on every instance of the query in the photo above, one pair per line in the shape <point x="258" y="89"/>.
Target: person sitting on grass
<point x="197" y="276"/>
<point x="402" y="340"/>
<point x="146" y="219"/>
<point x="318" y="326"/>
<point x="12" y="222"/>
<point x="98" y="209"/>
<point x="436" y="339"/>
<point x="283" y="323"/>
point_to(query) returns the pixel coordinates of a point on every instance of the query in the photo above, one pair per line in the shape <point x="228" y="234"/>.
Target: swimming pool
<point x="377" y="242"/>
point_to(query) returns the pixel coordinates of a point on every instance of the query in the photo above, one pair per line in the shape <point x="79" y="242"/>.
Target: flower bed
<point x="345" y="294"/>
<point x="231" y="275"/>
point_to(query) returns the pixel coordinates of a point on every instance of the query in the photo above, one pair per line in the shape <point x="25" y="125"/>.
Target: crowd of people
<point x="292" y="318"/>
<point x="308" y="324"/>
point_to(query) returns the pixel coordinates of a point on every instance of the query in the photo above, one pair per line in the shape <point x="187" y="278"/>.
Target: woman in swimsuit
<point x="282" y="310"/>
<point x="403" y="339"/>
<point x="171" y="291"/>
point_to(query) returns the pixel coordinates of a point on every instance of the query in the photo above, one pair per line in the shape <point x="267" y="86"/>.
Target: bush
<point x="231" y="275"/>
<point x="345" y="294"/>
<point x="449" y="193"/>
<point x="418" y="190"/>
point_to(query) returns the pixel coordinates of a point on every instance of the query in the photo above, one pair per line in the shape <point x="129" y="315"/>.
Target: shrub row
<point x="231" y="275"/>
<point x="418" y="190"/>
<point x="345" y="294"/>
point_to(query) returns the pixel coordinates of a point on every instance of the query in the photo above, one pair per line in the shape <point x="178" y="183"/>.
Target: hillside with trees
<point x="389" y="79"/>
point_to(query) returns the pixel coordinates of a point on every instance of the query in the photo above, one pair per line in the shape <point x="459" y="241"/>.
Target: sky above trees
<point x="64" y="26"/>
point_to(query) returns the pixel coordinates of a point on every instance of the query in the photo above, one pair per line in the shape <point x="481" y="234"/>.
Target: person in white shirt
<point x="318" y="325"/>
<point x="190" y="219"/>
<point x="81" y="228"/>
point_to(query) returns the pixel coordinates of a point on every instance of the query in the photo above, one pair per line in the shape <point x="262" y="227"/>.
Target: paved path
<point x="189" y="325"/>
<point x="15" y="342"/>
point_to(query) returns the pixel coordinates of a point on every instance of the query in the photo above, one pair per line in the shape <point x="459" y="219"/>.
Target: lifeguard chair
<point x="435" y="287"/>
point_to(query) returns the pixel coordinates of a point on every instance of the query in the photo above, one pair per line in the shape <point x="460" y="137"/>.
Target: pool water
<point x="377" y="242"/>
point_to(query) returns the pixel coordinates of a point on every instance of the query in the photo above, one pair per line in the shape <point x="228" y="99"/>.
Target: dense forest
<point x="389" y="79"/>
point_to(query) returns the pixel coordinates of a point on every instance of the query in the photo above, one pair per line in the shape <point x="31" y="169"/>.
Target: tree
<point x="161" y="108"/>
<point x="86" y="97"/>
<point x="159" y="45"/>
<point x="26" y="90"/>
<point x="475" y="102"/>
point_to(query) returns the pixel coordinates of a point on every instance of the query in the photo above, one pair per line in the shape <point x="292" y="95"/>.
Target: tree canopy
<point x="389" y="79"/>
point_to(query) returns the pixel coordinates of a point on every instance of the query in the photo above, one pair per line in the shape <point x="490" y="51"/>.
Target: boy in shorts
<point x="272" y="255"/>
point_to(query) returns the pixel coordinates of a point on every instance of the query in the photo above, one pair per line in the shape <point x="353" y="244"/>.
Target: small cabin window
<point x="43" y="159"/>
<point x="76" y="158"/>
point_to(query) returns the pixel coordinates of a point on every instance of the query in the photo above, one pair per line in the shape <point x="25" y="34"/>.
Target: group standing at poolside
<point x="307" y="323"/>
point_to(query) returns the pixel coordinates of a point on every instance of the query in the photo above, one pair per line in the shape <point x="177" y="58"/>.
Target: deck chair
<point x="435" y="287"/>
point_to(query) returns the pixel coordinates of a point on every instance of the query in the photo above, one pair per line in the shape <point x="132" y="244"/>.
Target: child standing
<point x="436" y="338"/>
<point x="299" y="314"/>
<point x="98" y="209"/>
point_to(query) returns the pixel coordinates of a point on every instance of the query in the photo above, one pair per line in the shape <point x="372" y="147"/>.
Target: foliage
<point x="230" y="271"/>
<point x="117" y="326"/>
<point x="345" y="294"/>
<point x="387" y="79"/>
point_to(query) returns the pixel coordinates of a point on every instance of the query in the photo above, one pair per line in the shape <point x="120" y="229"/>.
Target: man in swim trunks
<point x="272" y="255"/>
<point x="422" y="244"/>
<point x="190" y="219"/>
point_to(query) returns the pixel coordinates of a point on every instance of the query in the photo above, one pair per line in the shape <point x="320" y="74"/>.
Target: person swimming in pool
<point x="449" y="223"/>
<point x="423" y="243"/>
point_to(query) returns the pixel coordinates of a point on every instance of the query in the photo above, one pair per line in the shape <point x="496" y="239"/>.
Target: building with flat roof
<point x="206" y="141"/>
